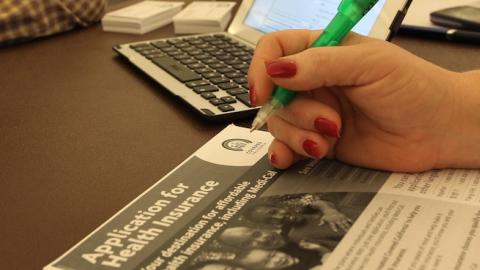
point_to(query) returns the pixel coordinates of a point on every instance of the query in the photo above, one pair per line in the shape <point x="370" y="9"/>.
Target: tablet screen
<point x="273" y="15"/>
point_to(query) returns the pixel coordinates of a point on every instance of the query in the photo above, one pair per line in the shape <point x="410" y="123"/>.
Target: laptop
<point x="208" y="72"/>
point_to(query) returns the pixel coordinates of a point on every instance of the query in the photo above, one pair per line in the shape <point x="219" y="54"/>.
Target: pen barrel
<point x="283" y="95"/>
<point x="356" y="9"/>
<point x="350" y="12"/>
<point x="463" y="36"/>
<point x="334" y="33"/>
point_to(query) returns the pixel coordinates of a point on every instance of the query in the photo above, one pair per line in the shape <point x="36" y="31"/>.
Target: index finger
<point x="276" y="45"/>
<point x="269" y="47"/>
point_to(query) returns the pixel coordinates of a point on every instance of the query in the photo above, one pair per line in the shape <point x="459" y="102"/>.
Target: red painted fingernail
<point x="281" y="68"/>
<point x="312" y="148"/>
<point x="252" y="95"/>
<point x="326" y="127"/>
<point x="273" y="158"/>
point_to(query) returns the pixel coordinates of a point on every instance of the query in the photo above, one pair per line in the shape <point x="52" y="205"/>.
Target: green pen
<point x="349" y="13"/>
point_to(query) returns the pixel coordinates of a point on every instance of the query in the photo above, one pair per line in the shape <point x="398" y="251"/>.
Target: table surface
<point x="82" y="133"/>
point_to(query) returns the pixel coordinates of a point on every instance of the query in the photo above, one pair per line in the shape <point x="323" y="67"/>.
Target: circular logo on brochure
<point x="236" y="144"/>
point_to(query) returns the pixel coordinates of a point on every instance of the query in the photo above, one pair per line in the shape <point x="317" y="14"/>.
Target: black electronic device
<point x="460" y="17"/>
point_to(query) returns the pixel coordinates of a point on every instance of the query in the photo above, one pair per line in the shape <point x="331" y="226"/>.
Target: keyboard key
<point x="203" y="56"/>
<point x="211" y="50"/>
<point x="246" y="86"/>
<point x="240" y="80"/>
<point x="183" y="57"/>
<point x="240" y="53"/>
<point x="241" y="46"/>
<point x="228" y="85"/>
<point x="246" y="58"/>
<point x="174" y="53"/>
<point x="217" y="53"/>
<point x="216" y="42"/>
<point x="203" y="70"/>
<point x="160" y="44"/>
<point x="182" y="45"/>
<point x="236" y="91"/>
<point x="244" y="70"/>
<point x="174" y="41"/>
<point x="155" y="55"/>
<point x="226" y="57"/>
<point x="228" y="99"/>
<point x="195" y="52"/>
<point x="221" y="36"/>
<point x="226" y="70"/>
<point x="225" y="108"/>
<point x="232" y="62"/>
<point x="210" y="75"/>
<point x="189" y="49"/>
<point x="196" y="41"/>
<point x="208" y="95"/>
<point x="169" y="49"/>
<point x="205" y="88"/>
<point x="177" y="70"/>
<point x="232" y="50"/>
<point x="146" y="52"/>
<point x="189" y="61"/>
<point x="216" y="101"/>
<point x="188" y="39"/>
<point x="140" y="46"/>
<point x="203" y="46"/>
<point x="235" y="74"/>
<point x="223" y="46"/>
<point x="196" y="65"/>
<point x="208" y="38"/>
<point x="219" y="80"/>
<point x="240" y="66"/>
<point x="210" y="61"/>
<point x="245" y="99"/>
<point x="197" y="83"/>
<point x="218" y="66"/>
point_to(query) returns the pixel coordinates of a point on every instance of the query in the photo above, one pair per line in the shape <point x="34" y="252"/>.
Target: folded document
<point x="203" y="17"/>
<point x="142" y="17"/>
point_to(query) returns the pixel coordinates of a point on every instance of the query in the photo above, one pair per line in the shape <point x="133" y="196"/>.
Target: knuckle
<point x="317" y="58"/>
<point x="267" y="38"/>
<point x="311" y="63"/>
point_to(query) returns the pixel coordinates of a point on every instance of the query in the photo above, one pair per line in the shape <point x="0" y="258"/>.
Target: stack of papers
<point x="142" y="17"/>
<point x="203" y="17"/>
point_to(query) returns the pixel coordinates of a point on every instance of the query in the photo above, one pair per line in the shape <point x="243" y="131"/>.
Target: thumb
<point x="359" y="64"/>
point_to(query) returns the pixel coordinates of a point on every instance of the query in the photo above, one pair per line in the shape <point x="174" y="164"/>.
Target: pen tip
<point x="255" y="126"/>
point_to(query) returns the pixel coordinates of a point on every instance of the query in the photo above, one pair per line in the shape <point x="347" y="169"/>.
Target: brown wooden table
<point x="82" y="133"/>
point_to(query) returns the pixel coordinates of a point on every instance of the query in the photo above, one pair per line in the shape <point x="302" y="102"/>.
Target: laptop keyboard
<point x="212" y="66"/>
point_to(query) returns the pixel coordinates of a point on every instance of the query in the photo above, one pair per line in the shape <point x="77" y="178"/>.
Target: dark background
<point x="82" y="134"/>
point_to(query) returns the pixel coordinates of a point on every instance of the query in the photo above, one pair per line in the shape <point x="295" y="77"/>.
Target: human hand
<point x="367" y="103"/>
<point x="337" y="220"/>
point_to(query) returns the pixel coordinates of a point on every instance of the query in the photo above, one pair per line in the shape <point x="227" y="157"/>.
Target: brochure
<point x="226" y="207"/>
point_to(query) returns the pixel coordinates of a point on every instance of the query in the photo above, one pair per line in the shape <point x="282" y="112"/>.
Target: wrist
<point x="462" y="149"/>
